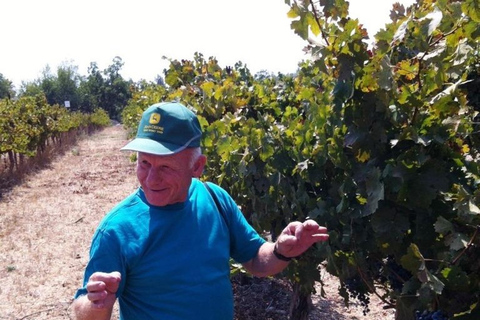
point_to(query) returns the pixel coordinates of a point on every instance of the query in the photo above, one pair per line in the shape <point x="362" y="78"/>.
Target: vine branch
<point x="420" y="64"/>
<point x="315" y="14"/>
<point x="372" y="289"/>
<point x="470" y="243"/>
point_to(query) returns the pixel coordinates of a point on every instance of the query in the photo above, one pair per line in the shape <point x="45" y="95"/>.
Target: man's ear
<point x="199" y="165"/>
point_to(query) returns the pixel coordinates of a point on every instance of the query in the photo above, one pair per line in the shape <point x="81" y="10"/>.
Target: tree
<point x="48" y="85"/>
<point x="59" y="87"/>
<point x="91" y="90"/>
<point x="100" y="89"/>
<point x="30" y="89"/>
<point x="67" y="83"/>
<point x="116" y="92"/>
<point x="6" y="88"/>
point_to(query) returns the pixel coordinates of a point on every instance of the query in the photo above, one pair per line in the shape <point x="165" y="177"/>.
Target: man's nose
<point x="155" y="175"/>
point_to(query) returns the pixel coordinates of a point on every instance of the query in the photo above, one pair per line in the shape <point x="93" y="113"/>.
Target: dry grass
<point x="47" y="222"/>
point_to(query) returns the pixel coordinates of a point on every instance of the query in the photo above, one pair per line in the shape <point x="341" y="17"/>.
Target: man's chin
<point x="155" y="198"/>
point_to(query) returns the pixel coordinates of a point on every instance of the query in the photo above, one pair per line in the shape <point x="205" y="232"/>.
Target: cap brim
<point x="152" y="147"/>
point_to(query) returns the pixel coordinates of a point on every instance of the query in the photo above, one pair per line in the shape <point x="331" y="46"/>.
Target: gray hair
<point x="195" y="153"/>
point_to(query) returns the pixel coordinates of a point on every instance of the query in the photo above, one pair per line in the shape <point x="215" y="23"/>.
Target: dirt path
<point x="47" y="222"/>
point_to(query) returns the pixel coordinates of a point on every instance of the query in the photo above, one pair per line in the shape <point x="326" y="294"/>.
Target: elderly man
<point x="164" y="250"/>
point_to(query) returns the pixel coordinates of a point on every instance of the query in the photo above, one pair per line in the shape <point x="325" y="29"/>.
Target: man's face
<point x="166" y="179"/>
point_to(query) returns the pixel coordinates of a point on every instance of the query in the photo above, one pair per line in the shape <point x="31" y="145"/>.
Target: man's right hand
<point x="102" y="287"/>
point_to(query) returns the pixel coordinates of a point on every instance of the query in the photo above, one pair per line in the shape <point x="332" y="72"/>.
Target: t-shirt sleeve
<point x="244" y="239"/>
<point x="105" y="256"/>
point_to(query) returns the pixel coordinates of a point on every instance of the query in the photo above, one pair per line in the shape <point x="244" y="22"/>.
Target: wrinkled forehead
<point x="181" y="157"/>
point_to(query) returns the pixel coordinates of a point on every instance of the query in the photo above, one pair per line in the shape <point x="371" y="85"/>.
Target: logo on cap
<point x="154" y="118"/>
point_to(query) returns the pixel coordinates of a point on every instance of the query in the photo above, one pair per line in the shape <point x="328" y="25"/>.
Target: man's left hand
<point x="297" y="237"/>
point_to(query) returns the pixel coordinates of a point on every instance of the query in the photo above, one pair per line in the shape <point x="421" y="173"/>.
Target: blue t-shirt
<point x="174" y="260"/>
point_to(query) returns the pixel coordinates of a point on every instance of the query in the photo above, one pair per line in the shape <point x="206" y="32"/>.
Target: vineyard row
<point x="29" y="125"/>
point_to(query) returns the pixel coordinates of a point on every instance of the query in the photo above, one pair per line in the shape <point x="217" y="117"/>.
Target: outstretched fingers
<point x="312" y="232"/>
<point x="297" y="237"/>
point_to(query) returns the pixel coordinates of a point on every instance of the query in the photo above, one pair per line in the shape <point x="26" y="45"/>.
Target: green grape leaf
<point x="436" y="284"/>
<point x="435" y="18"/>
<point x="443" y="226"/>
<point x="430" y="283"/>
<point x="300" y="27"/>
<point x="413" y="259"/>
<point x="401" y="31"/>
<point x="207" y="88"/>
<point x="455" y="278"/>
<point x="390" y="226"/>
<point x="456" y="241"/>
<point x="472" y="9"/>
<point x="375" y="191"/>
<point x="312" y="22"/>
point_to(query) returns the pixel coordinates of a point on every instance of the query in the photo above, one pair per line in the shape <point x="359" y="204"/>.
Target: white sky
<point x="257" y="32"/>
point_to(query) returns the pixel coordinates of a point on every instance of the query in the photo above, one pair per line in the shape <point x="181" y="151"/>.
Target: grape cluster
<point x="397" y="274"/>
<point x="356" y="289"/>
<point x="430" y="315"/>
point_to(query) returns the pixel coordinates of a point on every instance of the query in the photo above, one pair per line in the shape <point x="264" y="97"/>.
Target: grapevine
<point x="29" y="124"/>
<point x="377" y="144"/>
<point x="356" y="289"/>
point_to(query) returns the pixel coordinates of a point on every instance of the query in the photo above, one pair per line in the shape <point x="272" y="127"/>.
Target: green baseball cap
<point x="166" y="128"/>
